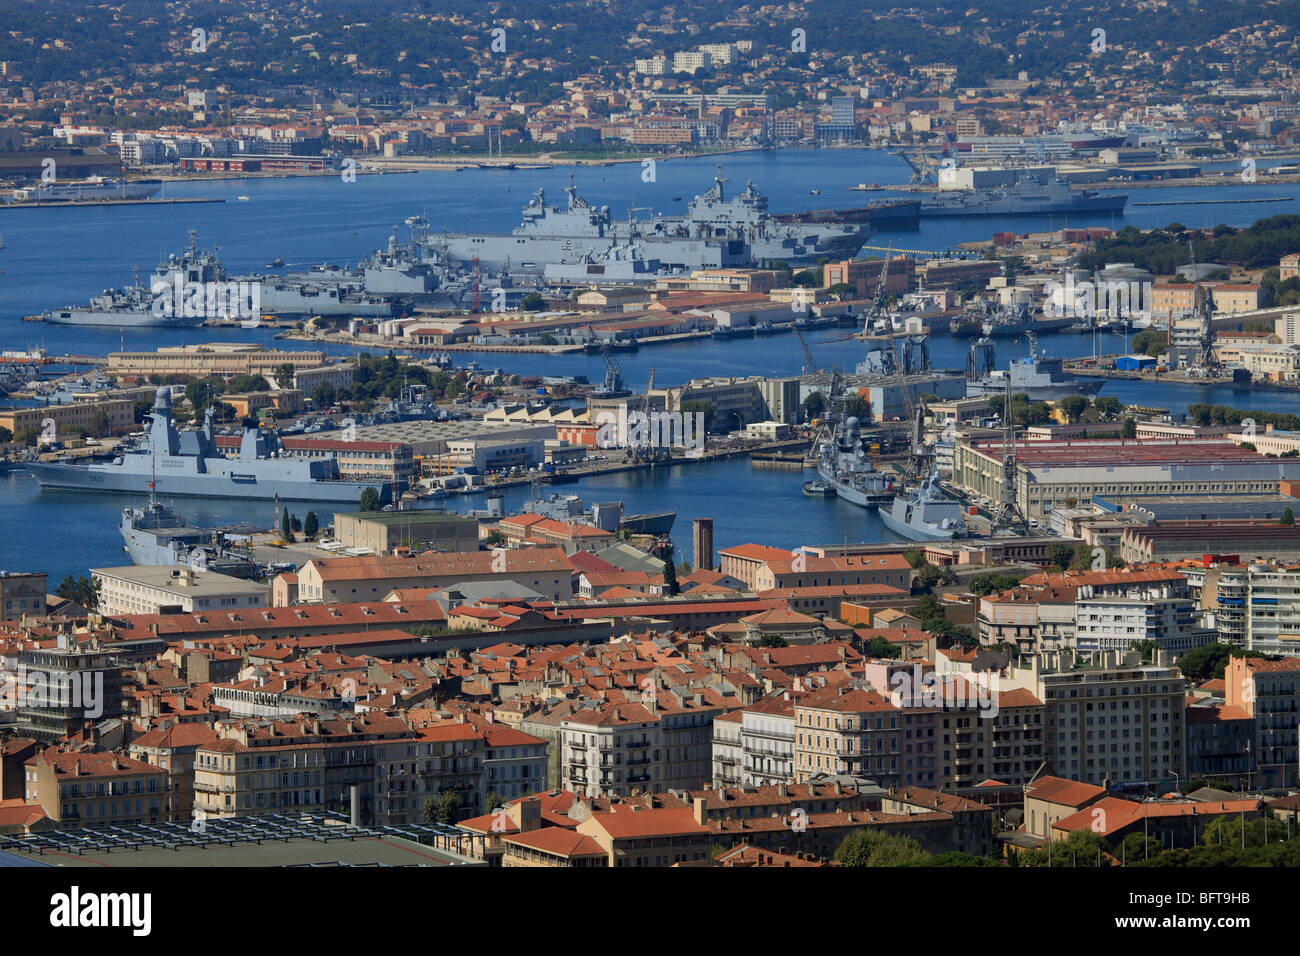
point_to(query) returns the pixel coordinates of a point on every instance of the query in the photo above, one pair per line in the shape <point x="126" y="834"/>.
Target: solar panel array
<point x="222" y="831"/>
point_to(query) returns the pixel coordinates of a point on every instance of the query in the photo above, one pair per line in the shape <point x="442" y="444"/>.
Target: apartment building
<point x="1115" y="622"/>
<point x="728" y="754"/>
<point x="172" y="750"/>
<point x="138" y="589"/>
<point x="659" y="744"/>
<point x="1115" y="719"/>
<point x="60" y="689"/>
<point x="1002" y="742"/>
<point x="1268" y="692"/>
<point x="851" y="730"/>
<point x="100" y="789"/>
<point x="767" y="735"/>
<point x="21" y="593"/>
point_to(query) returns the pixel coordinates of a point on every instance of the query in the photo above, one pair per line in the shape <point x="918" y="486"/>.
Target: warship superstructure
<point x="134" y="306"/>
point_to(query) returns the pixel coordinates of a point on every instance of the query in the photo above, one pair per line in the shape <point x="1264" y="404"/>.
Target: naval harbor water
<point x="57" y="257"/>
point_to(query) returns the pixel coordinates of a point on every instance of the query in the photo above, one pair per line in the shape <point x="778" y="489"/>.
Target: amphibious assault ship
<point x="1029" y="195"/>
<point x="716" y="232"/>
<point x="188" y="464"/>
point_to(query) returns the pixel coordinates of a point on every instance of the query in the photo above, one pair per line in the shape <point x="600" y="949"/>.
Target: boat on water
<point x="1031" y="194"/>
<point x="717" y="230"/>
<point x="999" y="320"/>
<point x="155" y="535"/>
<point x="844" y="464"/>
<point x="818" y="488"/>
<point x="188" y="464"/>
<point x="1042" y="377"/>
<point x="925" y="513"/>
<point x="93" y="187"/>
<point x="137" y="304"/>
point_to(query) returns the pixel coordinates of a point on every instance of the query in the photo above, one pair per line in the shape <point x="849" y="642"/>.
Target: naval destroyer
<point x="180" y="464"/>
<point x="134" y="305"/>
<point x="925" y="513"/>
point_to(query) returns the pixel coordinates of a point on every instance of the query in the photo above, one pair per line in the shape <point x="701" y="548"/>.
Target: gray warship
<point x="1029" y="195"/>
<point x="716" y="232"/>
<point x="1041" y="377"/>
<point x="133" y="305"/>
<point x="924" y="513"/>
<point x="155" y="535"/>
<point x="188" y="464"/>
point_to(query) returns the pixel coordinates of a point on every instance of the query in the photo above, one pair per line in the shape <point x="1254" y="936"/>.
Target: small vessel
<point x="814" y="192"/>
<point x="1041" y="377"/>
<point x="242" y="198"/>
<point x="925" y="513"/>
<point x="275" y="263"/>
<point x="817" y="488"/>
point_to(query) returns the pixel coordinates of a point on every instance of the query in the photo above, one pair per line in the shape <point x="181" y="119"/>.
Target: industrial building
<point x="1052" y="474"/>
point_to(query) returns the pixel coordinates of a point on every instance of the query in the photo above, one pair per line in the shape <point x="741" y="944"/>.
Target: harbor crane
<point x="650" y="450"/>
<point x="1008" y="514"/>
<point x="613" y="385"/>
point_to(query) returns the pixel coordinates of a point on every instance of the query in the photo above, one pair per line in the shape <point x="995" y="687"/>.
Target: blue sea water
<point x="58" y="257"/>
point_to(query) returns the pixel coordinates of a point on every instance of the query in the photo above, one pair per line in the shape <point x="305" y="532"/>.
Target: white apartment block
<point x="1114" y="623"/>
<point x="151" y="590"/>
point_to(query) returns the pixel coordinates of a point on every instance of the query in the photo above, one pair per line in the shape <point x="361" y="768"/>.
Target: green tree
<point x="1136" y="848"/>
<point x="311" y="525"/>
<point x="1082" y="848"/>
<point x="771" y="640"/>
<point x="82" y="590"/>
<point x="369" y="499"/>
<point x="447" y="809"/>
<point x="323" y="395"/>
<point x="670" y="578"/>
<point x="880" y="648"/>
<point x="100" y="426"/>
<point x="1107" y="407"/>
<point x="284" y="375"/>
<point x="1073" y="406"/>
<point x="876" y="848"/>
<point x="493" y="801"/>
<point x="1288" y="517"/>
<point x="286" y="528"/>
<point x="6" y="435"/>
<point x="1060" y="554"/>
<point x="1129" y="428"/>
<point x="532" y="302"/>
